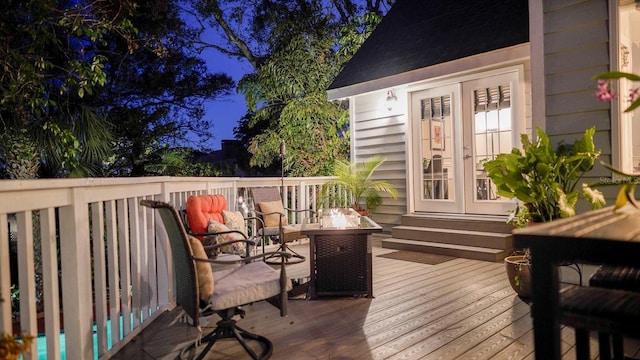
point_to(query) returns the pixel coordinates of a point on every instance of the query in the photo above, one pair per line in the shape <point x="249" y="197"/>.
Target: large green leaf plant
<point x="544" y="179"/>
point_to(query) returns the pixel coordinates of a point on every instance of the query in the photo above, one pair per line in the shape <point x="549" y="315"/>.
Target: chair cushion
<point x="234" y="220"/>
<point x="203" y="269"/>
<point x="246" y="284"/>
<point x="203" y="208"/>
<point x="275" y="219"/>
<point x="292" y="232"/>
<point x="235" y="248"/>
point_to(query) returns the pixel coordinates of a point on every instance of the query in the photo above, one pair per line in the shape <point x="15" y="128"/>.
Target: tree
<point x="157" y="96"/>
<point x="293" y="48"/>
<point x="91" y="80"/>
<point x="50" y="61"/>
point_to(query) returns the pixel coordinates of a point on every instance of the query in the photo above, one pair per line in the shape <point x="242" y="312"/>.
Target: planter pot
<point x="519" y="274"/>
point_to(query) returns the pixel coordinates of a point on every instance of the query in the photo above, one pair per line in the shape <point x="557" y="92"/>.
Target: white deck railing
<point x="100" y="258"/>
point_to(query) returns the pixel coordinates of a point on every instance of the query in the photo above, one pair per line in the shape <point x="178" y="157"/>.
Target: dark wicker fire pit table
<point x="340" y="254"/>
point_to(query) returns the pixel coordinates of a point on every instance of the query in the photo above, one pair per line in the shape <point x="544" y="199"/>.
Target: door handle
<point x="467" y="156"/>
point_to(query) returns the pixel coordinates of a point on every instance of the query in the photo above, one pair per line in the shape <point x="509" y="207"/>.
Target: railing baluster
<point x="99" y="274"/>
<point x="26" y="278"/>
<point x="50" y="282"/>
<point x="5" y="276"/>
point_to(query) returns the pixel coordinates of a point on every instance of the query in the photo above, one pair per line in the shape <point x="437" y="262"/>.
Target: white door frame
<point x="459" y="202"/>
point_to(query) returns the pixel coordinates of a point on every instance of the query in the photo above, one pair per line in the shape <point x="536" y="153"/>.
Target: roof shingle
<point x="420" y="33"/>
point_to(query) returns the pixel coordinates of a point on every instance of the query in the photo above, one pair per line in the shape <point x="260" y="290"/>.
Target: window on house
<point x="492" y="132"/>
<point x="436" y="145"/>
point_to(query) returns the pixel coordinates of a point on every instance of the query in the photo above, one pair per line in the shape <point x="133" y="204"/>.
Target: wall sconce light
<point x="391" y="99"/>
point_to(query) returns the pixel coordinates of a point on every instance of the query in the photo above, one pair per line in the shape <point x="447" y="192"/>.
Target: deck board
<point x="460" y="309"/>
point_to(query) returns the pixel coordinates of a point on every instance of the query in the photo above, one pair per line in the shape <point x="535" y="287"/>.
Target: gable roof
<point x="420" y="33"/>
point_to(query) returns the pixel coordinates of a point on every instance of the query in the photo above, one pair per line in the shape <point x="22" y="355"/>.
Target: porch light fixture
<point x="391" y="99"/>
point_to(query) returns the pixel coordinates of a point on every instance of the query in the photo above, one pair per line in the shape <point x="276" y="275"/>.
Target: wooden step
<point x="480" y="237"/>
<point x="459" y="222"/>
<point x="454" y="236"/>
<point x="462" y="251"/>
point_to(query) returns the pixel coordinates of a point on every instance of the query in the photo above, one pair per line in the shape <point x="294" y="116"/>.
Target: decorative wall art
<point x="437" y="135"/>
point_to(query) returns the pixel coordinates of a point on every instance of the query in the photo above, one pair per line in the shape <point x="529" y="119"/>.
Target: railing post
<point x="26" y="269"/>
<point x="165" y="278"/>
<point x="50" y="282"/>
<point x="76" y="280"/>
<point x="5" y="277"/>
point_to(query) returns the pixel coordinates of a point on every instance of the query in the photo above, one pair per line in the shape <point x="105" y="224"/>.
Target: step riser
<point x="447" y="251"/>
<point x="433" y="235"/>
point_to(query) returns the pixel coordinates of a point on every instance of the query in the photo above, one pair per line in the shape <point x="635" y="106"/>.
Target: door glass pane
<point x="492" y="134"/>
<point x="436" y="145"/>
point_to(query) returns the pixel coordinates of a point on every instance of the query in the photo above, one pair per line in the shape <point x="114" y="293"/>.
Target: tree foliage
<point x="50" y="59"/>
<point x="86" y="79"/>
<point x="158" y="95"/>
<point x="296" y="48"/>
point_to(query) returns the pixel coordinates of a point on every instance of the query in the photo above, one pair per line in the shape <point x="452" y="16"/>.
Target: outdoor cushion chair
<point x="614" y="277"/>
<point x="207" y="218"/>
<point x="200" y="291"/>
<point x="268" y="205"/>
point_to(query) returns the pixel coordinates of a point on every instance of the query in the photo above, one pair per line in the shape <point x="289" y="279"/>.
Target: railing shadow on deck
<point x="86" y="248"/>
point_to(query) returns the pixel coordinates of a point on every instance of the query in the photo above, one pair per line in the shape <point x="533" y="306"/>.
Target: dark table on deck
<point x="596" y="237"/>
<point x="340" y="258"/>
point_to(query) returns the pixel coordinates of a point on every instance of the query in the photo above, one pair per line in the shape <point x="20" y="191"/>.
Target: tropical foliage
<point x="544" y="179"/>
<point x="357" y="179"/>
<point x="50" y="62"/>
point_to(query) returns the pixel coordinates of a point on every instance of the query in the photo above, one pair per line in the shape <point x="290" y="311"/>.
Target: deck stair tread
<point x="480" y="237"/>
<point x="453" y="231"/>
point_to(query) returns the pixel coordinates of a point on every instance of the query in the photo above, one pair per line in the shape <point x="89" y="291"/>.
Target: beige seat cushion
<point x="203" y="270"/>
<point x="292" y="233"/>
<point x="275" y="219"/>
<point x="246" y="284"/>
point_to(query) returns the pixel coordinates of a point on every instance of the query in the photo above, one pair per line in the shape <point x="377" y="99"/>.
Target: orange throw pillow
<point x="203" y="208"/>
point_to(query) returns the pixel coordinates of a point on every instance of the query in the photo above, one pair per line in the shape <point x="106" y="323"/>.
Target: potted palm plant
<point x="357" y="179"/>
<point x="545" y="180"/>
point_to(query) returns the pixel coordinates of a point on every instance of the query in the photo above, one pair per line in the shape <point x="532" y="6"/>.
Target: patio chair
<point x="207" y="218"/>
<point x="200" y="291"/>
<point x="614" y="277"/>
<point x="269" y="207"/>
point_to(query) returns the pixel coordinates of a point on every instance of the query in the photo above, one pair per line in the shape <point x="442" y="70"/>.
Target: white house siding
<point x="576" y="47"/>
<point x="379" y="131"/>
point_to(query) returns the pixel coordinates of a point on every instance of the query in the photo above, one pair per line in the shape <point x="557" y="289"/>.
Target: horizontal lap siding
<point x="374" y="125"/>
<point x="576" y="47"/>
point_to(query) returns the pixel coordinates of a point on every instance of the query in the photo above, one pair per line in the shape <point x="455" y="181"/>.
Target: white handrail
<point x="113" y="258"/>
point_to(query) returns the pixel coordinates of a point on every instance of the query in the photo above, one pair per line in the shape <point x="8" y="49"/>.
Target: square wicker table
<point x="340" y="259"/>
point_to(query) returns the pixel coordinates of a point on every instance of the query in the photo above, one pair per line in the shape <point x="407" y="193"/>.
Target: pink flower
<point x="634" y="93"/>
<point x="604" y="92"/>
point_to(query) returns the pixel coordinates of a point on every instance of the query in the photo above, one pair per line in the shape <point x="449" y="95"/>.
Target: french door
<point x="456" y="129"/>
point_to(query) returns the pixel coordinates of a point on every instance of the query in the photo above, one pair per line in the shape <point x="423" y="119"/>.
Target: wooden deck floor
<point x="460" y="309"/>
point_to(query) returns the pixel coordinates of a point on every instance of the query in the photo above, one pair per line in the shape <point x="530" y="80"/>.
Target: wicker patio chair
<point x="269" y="206"/>
<point x="201" y="210"/>
<point x="199" y="290"/>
